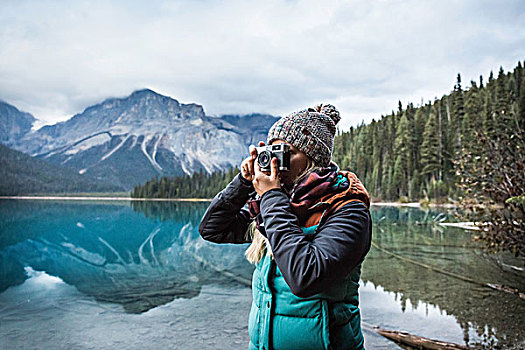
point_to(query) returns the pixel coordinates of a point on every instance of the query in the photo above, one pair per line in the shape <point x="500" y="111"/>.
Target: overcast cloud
<point x="59" y="57"/>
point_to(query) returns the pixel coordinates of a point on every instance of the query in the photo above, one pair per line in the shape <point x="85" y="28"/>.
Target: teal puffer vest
<point x="280" y="320"/>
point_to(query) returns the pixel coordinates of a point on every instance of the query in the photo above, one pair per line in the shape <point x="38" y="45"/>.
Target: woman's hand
<point x="247" y="170"/>
<point x="264" y="182"/>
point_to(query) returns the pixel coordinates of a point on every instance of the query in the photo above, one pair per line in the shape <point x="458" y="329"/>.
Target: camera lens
<point x="264" y="159"/>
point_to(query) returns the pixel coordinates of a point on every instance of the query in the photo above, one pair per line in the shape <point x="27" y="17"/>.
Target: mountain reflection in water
<point x="140" y="258"/>
<point x="146" y="254"/>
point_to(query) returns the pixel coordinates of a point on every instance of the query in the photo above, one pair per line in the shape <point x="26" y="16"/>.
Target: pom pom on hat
<point x="329" y="110"/>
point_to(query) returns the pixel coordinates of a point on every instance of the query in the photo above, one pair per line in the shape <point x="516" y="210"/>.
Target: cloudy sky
<point x="59" y="57"/>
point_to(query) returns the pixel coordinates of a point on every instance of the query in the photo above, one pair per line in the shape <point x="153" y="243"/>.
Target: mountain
<point x="14" y="124"/>
<point x="23" y="174"/>
<point x="126" y="141"/>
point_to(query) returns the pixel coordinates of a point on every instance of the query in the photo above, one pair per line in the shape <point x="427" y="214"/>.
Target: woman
<point x="309" y="229"/>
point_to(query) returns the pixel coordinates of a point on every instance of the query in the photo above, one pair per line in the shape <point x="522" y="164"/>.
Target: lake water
<point x="95" y="275"/>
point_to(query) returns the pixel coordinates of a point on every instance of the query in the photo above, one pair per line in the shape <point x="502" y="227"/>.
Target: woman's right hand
<point x="247" y="170"/>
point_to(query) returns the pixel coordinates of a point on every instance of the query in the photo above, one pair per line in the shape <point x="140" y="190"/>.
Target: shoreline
<point x="102" y="198"/>
<point x="95" y="198"/>
<point x="412" y="204"/>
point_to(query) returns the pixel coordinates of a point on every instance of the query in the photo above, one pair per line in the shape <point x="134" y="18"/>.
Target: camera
<point x="280" y="151"/>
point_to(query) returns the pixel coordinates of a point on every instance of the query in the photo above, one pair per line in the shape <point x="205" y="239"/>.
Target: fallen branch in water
<point x="503" y="288"/>
<point x="492" y="286"/>
<point x="417" y="342"/>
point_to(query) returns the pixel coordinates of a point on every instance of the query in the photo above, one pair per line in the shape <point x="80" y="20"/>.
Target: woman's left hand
<point x="264" y="182"/>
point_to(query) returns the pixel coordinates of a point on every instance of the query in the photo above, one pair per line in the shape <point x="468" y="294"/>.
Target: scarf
<point x="322" y="190"/>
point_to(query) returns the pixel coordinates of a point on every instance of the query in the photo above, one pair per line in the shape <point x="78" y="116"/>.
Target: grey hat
<point x="311" y="131"/>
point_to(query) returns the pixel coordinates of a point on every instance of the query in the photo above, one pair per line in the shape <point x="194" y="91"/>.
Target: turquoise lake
<point x="137" y="275"/>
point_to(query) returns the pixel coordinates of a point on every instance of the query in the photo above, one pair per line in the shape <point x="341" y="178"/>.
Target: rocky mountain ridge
<point x="14" y="124"/>
<point x="126" y="141"/>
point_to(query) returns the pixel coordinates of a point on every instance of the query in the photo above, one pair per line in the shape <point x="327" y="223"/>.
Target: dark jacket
<point x="312" y="265"/>
<point x="306" y="262"/>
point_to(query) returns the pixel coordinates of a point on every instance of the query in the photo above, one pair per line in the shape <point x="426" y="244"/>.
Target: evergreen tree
<point x="403" y="165"/>
<point x="520" y="113"/>
<point x="471" y="122"/>
<point x="430" y="161"/>
<point x="457" y="115"/>
<point x="377" y="158"/>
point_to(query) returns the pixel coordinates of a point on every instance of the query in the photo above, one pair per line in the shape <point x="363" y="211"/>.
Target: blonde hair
<point x="260" y="244"/>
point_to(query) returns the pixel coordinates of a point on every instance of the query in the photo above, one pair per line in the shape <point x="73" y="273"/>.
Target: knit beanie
<point x="311" y="131"/>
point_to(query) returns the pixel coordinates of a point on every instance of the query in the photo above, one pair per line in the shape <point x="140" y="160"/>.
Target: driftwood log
<point x="415" y="342"/>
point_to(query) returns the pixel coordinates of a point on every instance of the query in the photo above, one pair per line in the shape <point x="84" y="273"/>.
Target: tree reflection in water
<point x="415" y="234"/>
